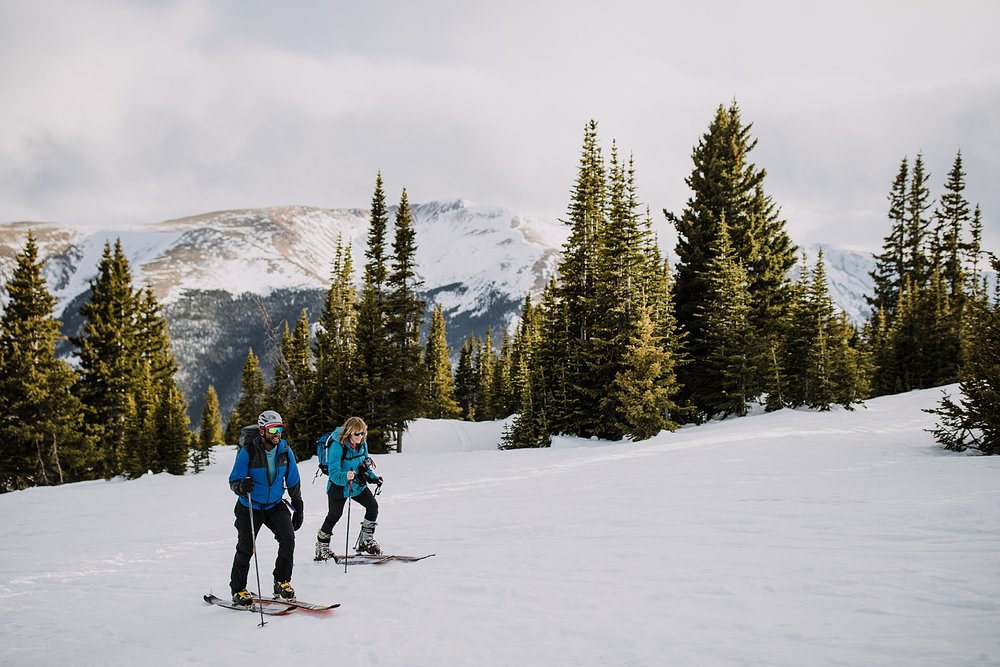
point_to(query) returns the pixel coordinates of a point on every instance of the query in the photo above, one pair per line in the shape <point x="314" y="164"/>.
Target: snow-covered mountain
<point x="216" y="273"/>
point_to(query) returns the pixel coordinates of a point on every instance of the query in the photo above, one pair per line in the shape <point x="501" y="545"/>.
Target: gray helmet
<point x="269" y="418"/>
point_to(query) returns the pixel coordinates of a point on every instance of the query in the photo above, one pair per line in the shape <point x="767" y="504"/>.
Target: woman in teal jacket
<point x="351" y="470"/>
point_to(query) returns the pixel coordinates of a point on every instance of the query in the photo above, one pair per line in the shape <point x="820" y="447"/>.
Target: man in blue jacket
<point x="265" y="466"/>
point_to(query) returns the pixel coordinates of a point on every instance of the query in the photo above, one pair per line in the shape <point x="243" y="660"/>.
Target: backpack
<point x="322" y="446"/>
<point x="247" y="435"/>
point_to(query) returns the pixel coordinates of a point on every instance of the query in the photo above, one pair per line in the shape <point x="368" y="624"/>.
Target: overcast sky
<point x="118" y="112"/>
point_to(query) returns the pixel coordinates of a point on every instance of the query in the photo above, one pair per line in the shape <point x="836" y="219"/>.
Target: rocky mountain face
<point x="220" y="276"/>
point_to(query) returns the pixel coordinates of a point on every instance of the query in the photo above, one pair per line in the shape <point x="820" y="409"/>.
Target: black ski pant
<point x="336" y="502"/>
<point x="279" y="520"/>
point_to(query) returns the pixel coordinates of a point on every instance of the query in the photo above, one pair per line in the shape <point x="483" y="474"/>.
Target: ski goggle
<point x="274" y="430"/>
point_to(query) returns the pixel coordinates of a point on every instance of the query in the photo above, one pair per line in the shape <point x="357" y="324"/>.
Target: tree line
<point x="116" y="410"/>
<point x="618" y="345"/>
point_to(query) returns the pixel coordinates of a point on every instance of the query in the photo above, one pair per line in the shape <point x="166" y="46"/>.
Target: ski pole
<point x="347" y="530"/>
<point x="256" y="563"/>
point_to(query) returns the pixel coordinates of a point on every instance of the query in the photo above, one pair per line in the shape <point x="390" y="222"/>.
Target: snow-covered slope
<point x="791" y="538"/>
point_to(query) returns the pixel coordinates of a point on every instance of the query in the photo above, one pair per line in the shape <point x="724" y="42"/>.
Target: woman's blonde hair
<point x="352" y="425"/>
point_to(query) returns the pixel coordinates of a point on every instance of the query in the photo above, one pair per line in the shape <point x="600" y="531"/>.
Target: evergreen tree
<point x="850" y="369"/>
<point x="231" y="435"/>
<point x="522" y="346"/>
<point x="127" y="372"/>
<point x="822" y="391"/>
<point x="735" y="354"/>
<point x="334" y="348"/>
<point x="439" y="385"/>
<point x="974" y="421"/>
<point x="576" y="411"/>
<point x="279" y="393"/>
<point x="485" y="361"/>
<point x="295" y="347"/>
<point x="641" y="394"/>
<point x="973" y="253"/>
<point x="465" y="380"/>
<point x="157" y="369"/>
<point x="404" y="317"/>
<point x="728" y="187"/>
<point x="209" y="431"/>
<point x="952" y="218"/>
<point x="251" y="401"/>
<point x="621" y="287"/>
<point x="172" y="424"/>
<point x="918" y="242"/>
<point x="154" y="339"/>
<point x="373" y="360"/>
<point x="918" y="340"/>
<point x="951" y="297"/>
<point x="889" y="264"/>
<point x="290" y="391"/>
<point x="41" y="420"/>
<point x="109" y="363"/>
<point x="588" y="320"/>
<point x="551" y="369"/>
<point x="505" y="401"/>
<point x="142" y="450"/>
<point x="530" y="427"/>
<point x="801" y="333"/>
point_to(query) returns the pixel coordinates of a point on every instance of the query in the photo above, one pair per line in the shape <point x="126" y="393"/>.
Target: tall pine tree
<point x="110" y="374"/>
<point x="251" y="401"/>
<point x="727" y="186"/>
<point x="373" y="360"/>
<point x="41" y="429"/>
<point x="439" y="384"/>
<point x="209" y="431"/>
<point x="569" y="337"/>
<point x="736" y="355"/>
<point x="404" y="317"/>
<point x="334" y="348"/>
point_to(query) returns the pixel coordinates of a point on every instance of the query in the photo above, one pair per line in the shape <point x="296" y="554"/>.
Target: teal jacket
<point x="341" y="458"/>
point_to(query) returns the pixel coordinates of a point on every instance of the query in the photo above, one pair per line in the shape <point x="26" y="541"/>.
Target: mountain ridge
<point x="216" y="274"/>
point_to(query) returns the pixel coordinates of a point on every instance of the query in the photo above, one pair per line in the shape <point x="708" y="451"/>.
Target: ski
<point x="295" y="604"/>
<point x="371" y="559"/>
<point x="260" y="606"/>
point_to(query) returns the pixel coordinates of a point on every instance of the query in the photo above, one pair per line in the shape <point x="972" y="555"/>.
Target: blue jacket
<point x="341" y="458"/>
<point x="252" y="461"/>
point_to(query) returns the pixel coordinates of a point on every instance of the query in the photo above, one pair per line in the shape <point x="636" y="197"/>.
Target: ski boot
<point x="284" y="590"/>
<point x="366" y="539"/>
<point x="242" y="598"/>
<point x="323" y="546"/>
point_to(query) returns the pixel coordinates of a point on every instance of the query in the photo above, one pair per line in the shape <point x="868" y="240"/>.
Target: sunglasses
<point x="274" y="430"/>
<point x="360" y="433"/>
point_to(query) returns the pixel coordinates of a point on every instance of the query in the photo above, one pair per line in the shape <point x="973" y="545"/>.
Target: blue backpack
<point x="323" y="446"/>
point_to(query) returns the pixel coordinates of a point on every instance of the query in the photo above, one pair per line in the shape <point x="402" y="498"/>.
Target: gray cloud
<point x="163" y="109"/>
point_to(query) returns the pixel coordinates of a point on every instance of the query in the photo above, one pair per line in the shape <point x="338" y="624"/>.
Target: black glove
<point x="245" y="486"/>
<point x="297" y="518"/>
<point x="323" y="469"/>
<point x="366" y="472"/>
